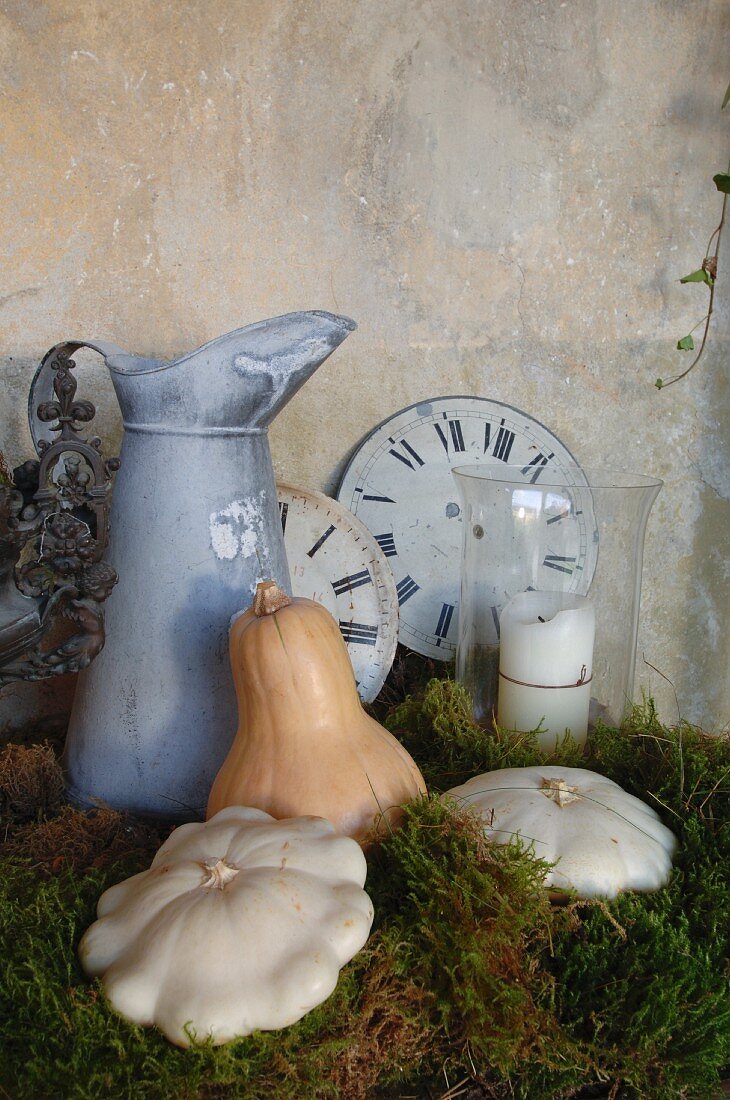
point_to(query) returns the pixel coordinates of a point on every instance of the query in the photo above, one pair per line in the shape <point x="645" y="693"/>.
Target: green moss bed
<point x="472" y="985"/>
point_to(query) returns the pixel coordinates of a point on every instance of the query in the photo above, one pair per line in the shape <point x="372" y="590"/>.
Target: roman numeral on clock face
<point x="457" y="436"/>
<point x="538" y="464"/>
<point x="404" y="457"/>
<point x="503" y="443"/>
<point x="442" y="627"/>
<point x="406" y="588"/>
<point x="348" y="584"/>
<point x="360" y="633"/>
<point x="320" y="541"/>
<point x="561" y="564"/>
<point x="565" y="514"/>
<point x="386" y="543"/>
<point x="373" y="496"/>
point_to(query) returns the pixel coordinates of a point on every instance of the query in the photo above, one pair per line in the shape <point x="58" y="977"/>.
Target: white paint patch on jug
<point x="283" y="365"/>
<point x="237" y="529"/>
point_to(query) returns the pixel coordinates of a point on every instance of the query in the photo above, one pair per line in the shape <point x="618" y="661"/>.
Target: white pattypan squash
<point x="240" y="923"/>
<point x="601" y="839"/>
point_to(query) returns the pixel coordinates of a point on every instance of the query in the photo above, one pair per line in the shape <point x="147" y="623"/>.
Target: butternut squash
<point x="304" y="744"/>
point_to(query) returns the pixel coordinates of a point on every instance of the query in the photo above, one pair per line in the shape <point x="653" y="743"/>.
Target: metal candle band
<point x="554" y="687"/>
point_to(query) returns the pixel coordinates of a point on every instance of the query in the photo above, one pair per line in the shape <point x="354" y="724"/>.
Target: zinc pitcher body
<point x="194" y="526"/>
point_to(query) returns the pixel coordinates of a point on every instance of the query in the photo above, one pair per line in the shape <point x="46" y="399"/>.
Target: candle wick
<point x="540" y="619"/>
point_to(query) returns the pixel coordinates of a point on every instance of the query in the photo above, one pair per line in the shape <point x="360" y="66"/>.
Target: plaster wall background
<point x="502" y="193"/>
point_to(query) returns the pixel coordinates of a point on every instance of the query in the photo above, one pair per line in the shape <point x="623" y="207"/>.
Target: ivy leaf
<point x="686" y="343"/>
<point x="699" y="276"/>
<point x="726" y="100"/>
<point x="722" y="182"/>
<point x="659" y="383"/>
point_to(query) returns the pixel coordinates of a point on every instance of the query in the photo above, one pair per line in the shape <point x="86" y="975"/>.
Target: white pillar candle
<point x="546" y="649"/>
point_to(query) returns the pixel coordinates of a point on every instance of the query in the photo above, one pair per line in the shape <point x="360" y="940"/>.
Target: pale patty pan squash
<point x="601" y="839"/>
<point x="240" y="923"/>
<point x="304" y="743"/>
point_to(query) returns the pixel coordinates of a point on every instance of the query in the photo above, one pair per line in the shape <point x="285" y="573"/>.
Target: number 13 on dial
<point x="399" y="483"/>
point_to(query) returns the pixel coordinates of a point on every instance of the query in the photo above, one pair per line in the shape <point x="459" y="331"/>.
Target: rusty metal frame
<point x="54" y="529"/>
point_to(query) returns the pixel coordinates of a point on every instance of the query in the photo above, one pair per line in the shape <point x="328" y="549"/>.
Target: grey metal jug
<point x="194" y="526"/>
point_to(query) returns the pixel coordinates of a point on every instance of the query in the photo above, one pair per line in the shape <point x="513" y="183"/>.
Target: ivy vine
<point x="707" y="274"/>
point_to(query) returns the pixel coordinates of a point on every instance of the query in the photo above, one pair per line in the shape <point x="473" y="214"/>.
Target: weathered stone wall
<point x="502" y="193"/>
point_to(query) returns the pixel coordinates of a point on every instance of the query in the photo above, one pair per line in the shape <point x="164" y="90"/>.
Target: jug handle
<point x="41" y="388"/>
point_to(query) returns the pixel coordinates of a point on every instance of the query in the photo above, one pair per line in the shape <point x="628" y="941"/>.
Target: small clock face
<point x="399" y="484"/>
<point x="334" y="560"/>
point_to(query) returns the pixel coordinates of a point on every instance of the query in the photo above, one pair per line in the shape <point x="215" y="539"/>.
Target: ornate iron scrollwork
<point x="54" y="529"/>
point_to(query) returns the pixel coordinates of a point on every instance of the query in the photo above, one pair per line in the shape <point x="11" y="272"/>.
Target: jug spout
<point x="276" y="357"/>
<point x="242" y="379"/>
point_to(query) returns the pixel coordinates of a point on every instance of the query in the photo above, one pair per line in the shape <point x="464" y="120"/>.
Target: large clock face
<point x="335" y="560"/>
<point x="399" y="483"/>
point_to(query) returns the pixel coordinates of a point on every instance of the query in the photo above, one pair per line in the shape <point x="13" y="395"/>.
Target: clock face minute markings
<point x="399" y="483"/>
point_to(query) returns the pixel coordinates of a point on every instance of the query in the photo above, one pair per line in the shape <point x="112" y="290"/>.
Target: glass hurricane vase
<point x="550" y="593"/>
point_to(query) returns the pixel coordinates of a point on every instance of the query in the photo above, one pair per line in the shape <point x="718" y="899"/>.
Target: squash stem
<point x="269" y="598"/>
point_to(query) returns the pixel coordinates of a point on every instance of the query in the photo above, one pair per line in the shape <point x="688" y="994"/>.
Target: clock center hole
<point x="452" y="510"/>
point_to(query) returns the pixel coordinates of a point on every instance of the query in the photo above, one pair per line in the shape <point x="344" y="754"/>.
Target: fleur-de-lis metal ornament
<point x="54" y="528"/>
